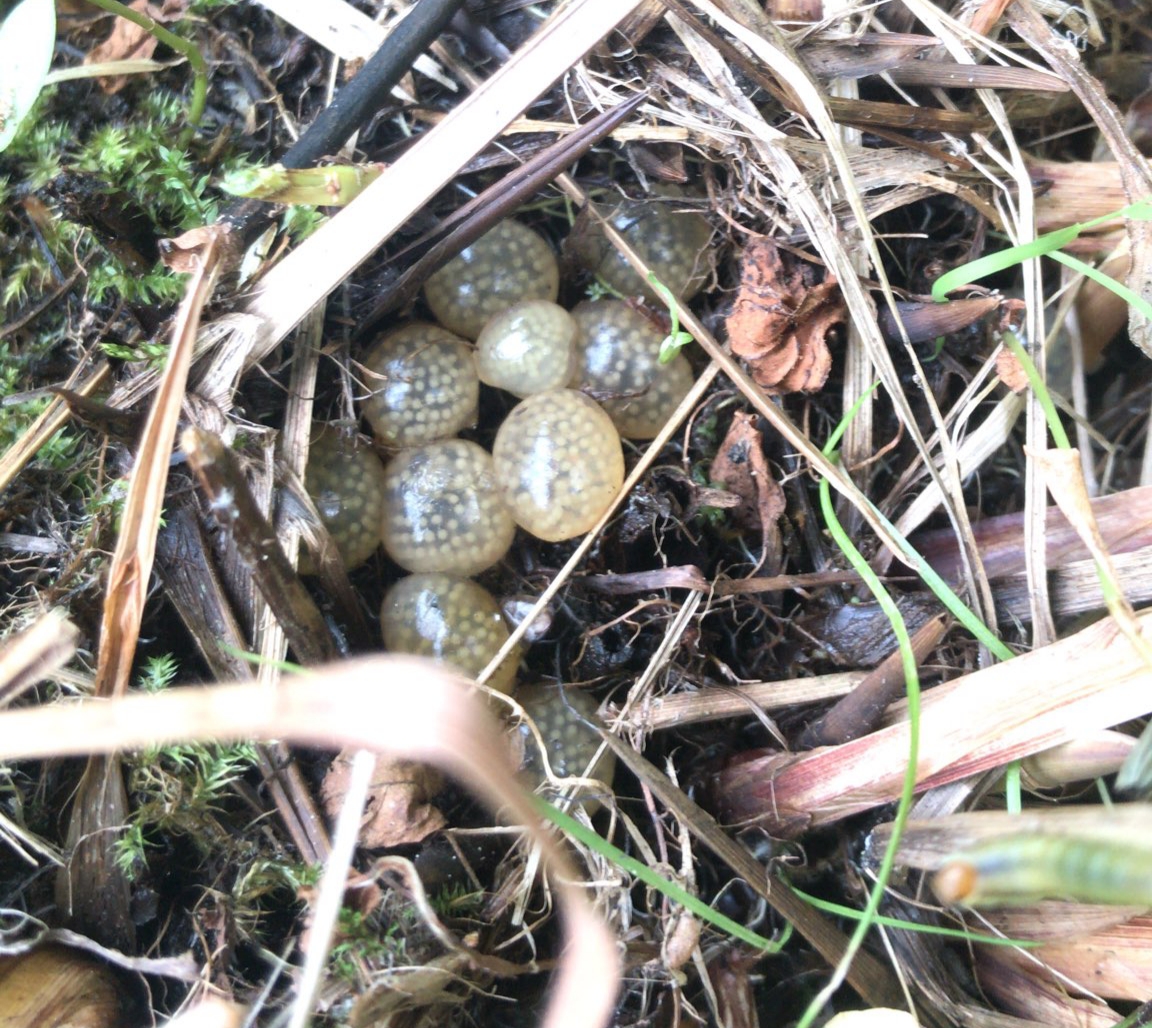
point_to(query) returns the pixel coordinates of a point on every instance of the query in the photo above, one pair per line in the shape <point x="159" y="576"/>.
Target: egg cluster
<point x="449" y="508"/>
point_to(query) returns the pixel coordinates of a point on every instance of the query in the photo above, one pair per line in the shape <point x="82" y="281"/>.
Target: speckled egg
<point x="671" y="241"/>
<point x="423" y="385"/>
<point x="449" y="619"/>
<point x="561" y="715"/>
<point x="443" y="511"/>
<point x="618" y="362"/>
<point x="559" y="463"/>
<point x="506" y="265"/>
<point x="528" y="348"/>
<point x="345" y="479"/>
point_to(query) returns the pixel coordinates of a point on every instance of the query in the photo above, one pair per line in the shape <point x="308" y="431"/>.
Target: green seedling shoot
<point x="1050" y="245"/>
<point x="333" y="186"/>
<point x="912" y="679"/>
<point x="675" y="340"/>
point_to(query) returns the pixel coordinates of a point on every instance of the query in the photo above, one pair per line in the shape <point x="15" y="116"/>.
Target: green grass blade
<point x="912" y="680"/>
<point x="1097" y="276"/>
<point x="992" y="263"/>
<point x="584" y="835"/>
<point x="1043" y="397"/>
<point x="851" y="914"/>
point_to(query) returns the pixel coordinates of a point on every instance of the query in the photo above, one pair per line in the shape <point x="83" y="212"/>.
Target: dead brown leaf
<point x="1010" y="371"/>
<point x="781" y="319"/>
<point x="397" y="811"/>
<point x="129" y="41"/>
<point x="741" y="468"/>
<point x="183" y="254"/>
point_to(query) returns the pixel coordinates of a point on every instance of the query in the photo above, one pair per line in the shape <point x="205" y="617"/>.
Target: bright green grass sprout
<point x="1049" y="244"/>
<point x="675" y="340"/>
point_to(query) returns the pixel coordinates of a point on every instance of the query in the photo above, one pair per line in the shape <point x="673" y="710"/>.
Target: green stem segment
<point x="169" y="38"/>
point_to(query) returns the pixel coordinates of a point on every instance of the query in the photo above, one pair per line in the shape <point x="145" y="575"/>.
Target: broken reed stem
<point x="235" y="508"/>
<point x="1088" y="681"/>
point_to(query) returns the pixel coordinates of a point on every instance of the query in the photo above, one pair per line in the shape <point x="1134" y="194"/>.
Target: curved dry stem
<point x="400" y="705"/>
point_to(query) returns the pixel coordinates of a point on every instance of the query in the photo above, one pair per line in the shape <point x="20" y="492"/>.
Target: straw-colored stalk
<point x="1089" y="681"/>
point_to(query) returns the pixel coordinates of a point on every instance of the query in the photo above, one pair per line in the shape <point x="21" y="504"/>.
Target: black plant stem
<point x="363" y="95"/>
<point x="352" y="105"/>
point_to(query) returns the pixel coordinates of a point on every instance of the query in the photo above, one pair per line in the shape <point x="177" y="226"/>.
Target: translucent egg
<point x="672" y="242"/>
<point x="507" y="264"/>
<point x="561" y="715"/>
<point x="423" y="385"/>
<point x="450" y="619"/>
<point x="559" y="463"/>
<point x="528" y="348"/>
<point x="618" y="362"/>
<point x="442" y="509"/>
<point x="346" y="482"/>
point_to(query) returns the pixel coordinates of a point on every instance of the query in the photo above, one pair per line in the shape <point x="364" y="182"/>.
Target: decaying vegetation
<point x="869" y="492"/>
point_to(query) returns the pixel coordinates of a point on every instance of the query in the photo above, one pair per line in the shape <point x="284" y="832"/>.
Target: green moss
<point x="167" y="187"/>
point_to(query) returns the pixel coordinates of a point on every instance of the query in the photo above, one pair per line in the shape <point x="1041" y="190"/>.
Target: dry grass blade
<point x="1093" y="679"/>
<point x="92" y="890"/>
<point x="973" y="76"/>
<point x="398" y="705"/>
<point x="131" y="563"/>
<point x="33" y="653"/>
<point x="719" y="703"/>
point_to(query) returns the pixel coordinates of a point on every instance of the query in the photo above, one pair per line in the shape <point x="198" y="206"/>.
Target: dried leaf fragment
<point x="1010" y="371"/>
<point x="131" y="41"/>
<point x="781" y="320"/>
<point x="397" y="811"/>
<point x="741" y="468"/>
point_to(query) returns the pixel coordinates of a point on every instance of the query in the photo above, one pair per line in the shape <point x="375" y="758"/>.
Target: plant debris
<point x="824" y="234"/>
<point x="781" y="320"/>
